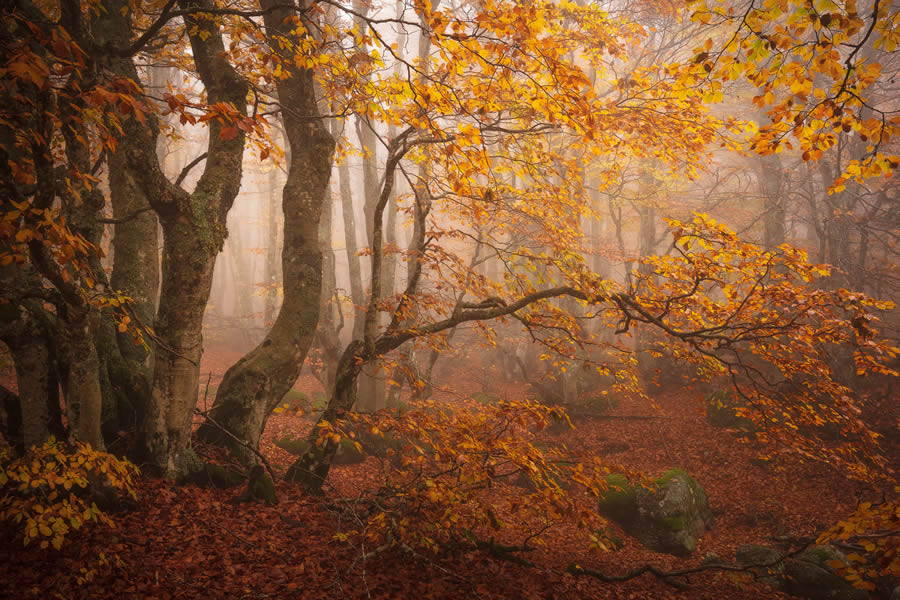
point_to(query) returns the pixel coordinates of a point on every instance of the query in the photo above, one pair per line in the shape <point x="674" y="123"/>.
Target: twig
<point x="666" y="576"/>
<point x="188" y="167"/>
<point x="206" y="389"/>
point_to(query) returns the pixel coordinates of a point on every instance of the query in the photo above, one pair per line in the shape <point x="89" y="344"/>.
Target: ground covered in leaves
<point x="188" y="541"/>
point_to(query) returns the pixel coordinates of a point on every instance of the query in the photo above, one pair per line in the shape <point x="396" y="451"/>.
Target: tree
<point x="254" y="386"/>
<point x="498" y="122"/>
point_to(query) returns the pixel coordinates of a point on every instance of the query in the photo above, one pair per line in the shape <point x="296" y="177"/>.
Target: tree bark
<point x="34" y="414"/>
<point x="193" y="231"/>
<point x="125" y="364"/>
<point x="255" y="385"/>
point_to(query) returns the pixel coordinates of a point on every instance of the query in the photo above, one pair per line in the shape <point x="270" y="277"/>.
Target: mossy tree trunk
<point x="193" y="233"/>
<point x="311" y="469"/>
<point x="33" y="415"/>
<point x="124" y="364"/>
<point x="255" y="385"/>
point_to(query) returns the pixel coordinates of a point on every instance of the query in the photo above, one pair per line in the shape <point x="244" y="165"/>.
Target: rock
<point x="807" y="575"/>
<point x="810" y="576"/>
<point x="669" y="518"/>
<point x="722" y="411"/>
<point x="597" y="405"/>
<point x="213" y="475"/>
<point x="347" y="453"/>
<point x="752" y="555"/>
<point x="261" y="488"/>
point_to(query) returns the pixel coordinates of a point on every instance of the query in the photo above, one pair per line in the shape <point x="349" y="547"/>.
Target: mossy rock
<point x="217" y="476"/>
<point x="557" y="426"/>
<point x="807" y="575"/>
<point x="599" y="405"/>
<point x="614" y="542"/>
<point x="524" y="480"/>
<point x="262" y="489"/>
<point x="484" y="399"/>
<point x="753" y="555"/>
<point x="722" y="411"/>
<point x="810" y="576"/>
<point x="295" y="445"/>
<point x="347" y="453"/>
<point x="668" y="518"/>
<point x="319" y="402"/>
<point x="381" y="444"/>
<point x="295" y="399"/>
<point x="618" y="502"/>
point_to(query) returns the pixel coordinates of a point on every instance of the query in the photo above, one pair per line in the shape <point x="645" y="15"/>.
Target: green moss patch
<point x="619" y="501"/>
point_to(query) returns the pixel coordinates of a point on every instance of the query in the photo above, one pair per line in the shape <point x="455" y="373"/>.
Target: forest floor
<point x="191" y="542"/>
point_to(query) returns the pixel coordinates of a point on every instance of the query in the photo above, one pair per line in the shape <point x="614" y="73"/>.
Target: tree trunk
<point x="257" y="383"/>
<point x="271" y="271"/>
<point x="328" y="332"/>
<point x="193" y="232"/>
<point x="311" y="469"/>
<point x="771" y="183"/>
<point x="125" y="364"/>
<point x="644" y="339"/>
<point x="33" y="418"/>
<point x="84" y="398"/>
<point x="135" y="244"/>
<point x="357" y="296"/>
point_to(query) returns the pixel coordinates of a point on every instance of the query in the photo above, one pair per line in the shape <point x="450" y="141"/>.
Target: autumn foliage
<point x="51" y="491"/>
<point x="489" y="160"/>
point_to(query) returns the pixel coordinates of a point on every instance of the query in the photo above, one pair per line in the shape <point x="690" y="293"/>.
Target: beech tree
<point x="497" y="125"/>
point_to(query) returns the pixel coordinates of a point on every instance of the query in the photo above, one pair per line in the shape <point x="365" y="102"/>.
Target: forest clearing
<point x="449" y="298"/>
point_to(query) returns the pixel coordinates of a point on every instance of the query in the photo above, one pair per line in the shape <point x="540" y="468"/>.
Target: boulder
<point x="347" y="453"/>
<point x="767" y="564"/>
<point x="667" y="518"/>
<point x="807" y="575"/>
<point x="722" y="410"/>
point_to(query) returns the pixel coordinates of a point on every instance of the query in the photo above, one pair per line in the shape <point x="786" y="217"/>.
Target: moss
<point x="819" y="555"/>
<point x="484" y="399"/>
<point x="296" y="446"/>
<point x="722" y="411"/>
<point x="319" y="402"/>
<point x="618" y="502"/>
<point x="601" y="404"/>
<point x="666" y="477"/>
<point x="217" y="476"/>
<point x="295" y="399"/>
<point x="262" y="488"/>
<point x="202" y="215"/>
<point x="671" y="474"/>
<point x="675" y="523"/>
